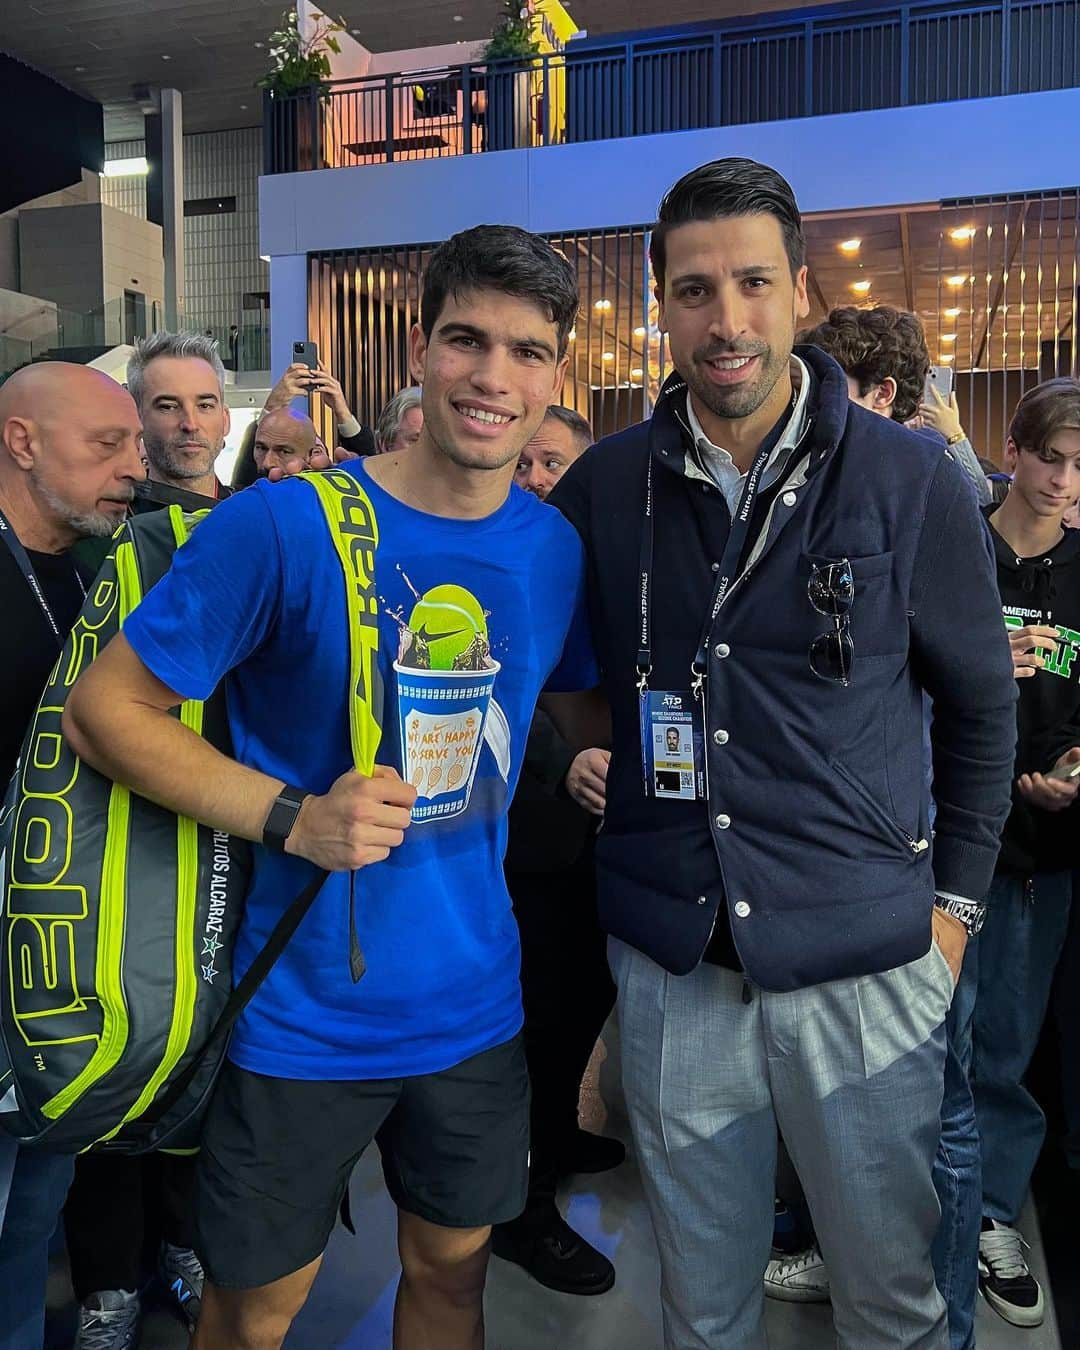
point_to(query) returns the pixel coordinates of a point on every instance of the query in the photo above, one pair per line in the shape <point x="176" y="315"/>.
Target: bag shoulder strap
<point x="350" y="518"/>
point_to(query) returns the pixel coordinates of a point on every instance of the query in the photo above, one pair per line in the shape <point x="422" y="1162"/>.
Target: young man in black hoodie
<point x="1012" y="964"/>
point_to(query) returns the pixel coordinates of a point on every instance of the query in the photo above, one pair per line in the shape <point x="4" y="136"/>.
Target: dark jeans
<point x="32" y="1189"/>
<point x="118" y="1212"/>
<point x="568" y="992"/>
<point x="957" y="1168"/>
<point x="1067" y="1018"/>
<point x="1014" y="959"/>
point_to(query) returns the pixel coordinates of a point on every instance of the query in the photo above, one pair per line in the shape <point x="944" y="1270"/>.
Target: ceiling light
<point x="166" y="58"/>
<point x="79" y="70"/>
<point x="963" y="233"/>
<point x="602" y="305"/>
<point x="945" y="357"/>
<point x="640" y="330"/>
<point x="948" y="337"/>
<point x="850" y="245"/>
<point x="458" y="18"/>
<point x="243" y="107"/>
<point x="861" y="286"/>
<point x="958" y="280"/>
<point x="125" y="168"/>
<point x="637" y="373"/>
<point x="609" y="356"/>
<point x="572" y="334"/>
<point x="258" y="44"/>
<point x="953" y="313"/>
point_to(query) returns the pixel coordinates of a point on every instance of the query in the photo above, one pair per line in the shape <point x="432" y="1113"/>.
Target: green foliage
<point x="512" y="36"/>
<point x="298" y="61"/>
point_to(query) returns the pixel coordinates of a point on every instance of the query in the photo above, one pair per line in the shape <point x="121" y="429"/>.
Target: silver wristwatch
<point x="971" y="913"/>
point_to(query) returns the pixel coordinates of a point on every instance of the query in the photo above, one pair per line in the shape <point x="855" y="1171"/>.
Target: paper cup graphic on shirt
<point x="442" y="715"/>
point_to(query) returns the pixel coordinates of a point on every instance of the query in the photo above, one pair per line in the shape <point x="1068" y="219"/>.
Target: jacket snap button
<point x="742" y="909"/>
<point x="701" y="900"/>
<point x="721" y="650"/>
<point x="720" y="737"/>
<point x="789" y="499"/>
<point x="722" y="822"/>
<point x="715" y="567"/>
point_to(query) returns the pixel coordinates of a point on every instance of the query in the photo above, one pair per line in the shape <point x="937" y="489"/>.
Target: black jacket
<point x="1044" y="590"/>
<point x="811" y="845"/>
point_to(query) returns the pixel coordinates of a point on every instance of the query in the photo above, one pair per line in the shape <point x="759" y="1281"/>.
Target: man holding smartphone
<point x="1010" y="969"/>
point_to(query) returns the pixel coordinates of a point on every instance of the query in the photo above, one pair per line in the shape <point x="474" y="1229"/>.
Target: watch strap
<point x="282" y="817"/>
<point x="971" y="913"/>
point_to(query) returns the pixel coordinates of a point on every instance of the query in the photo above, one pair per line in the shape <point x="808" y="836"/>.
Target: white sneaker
<point x="1006" y="1283"/>
<point x="798" y="1279"/>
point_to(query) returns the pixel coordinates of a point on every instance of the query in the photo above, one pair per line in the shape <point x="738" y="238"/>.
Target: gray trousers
<point x="852" y="1073"/>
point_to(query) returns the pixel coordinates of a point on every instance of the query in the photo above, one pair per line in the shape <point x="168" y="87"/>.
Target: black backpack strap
<point x="242" y="995"/>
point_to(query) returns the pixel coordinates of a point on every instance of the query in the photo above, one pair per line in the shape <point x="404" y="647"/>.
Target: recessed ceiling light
<point x="957" y="280"/>
<point x="356" y="32"/>
<point x="603" y="305"/>
<point x="962" y="233"/>
<point x="945" y="357"/>
<point x="951" y="313"/>
<point x="861" y="286"/>
<point x="79" y="70"/>
<point x="640" y="330"/>
<point x="609" y="356"/>
<point x="850" y="245"/>
<point x="948" y="337"/>
<point x="258" y="44"/>
<point x="458" y="18"/>
<point x="166" y="58"/>
<point x="637" y="373"/>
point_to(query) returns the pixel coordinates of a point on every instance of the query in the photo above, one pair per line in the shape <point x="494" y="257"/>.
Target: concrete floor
<point x="351" y="1304"/>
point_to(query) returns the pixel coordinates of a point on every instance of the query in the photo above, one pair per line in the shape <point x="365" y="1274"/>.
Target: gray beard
<point x="88" y="524"/>
<point x="173" y="466"/>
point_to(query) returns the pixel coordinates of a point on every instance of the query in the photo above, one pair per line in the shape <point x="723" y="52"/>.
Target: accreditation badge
<point x="672" y="745"/>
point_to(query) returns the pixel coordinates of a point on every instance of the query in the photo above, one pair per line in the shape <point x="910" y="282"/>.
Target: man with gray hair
<point x="399" y="422"/>
<point x="178" y="383"/>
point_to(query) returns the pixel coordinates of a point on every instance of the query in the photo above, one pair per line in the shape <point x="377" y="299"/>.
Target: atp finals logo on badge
<point x="446" y="714"/>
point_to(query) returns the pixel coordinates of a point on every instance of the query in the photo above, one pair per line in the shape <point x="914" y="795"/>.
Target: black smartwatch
<point x="282" y="818"/>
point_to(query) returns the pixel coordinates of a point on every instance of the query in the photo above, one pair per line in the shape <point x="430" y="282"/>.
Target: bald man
<point x="282" y="436"/>
<point x="69" y="462"/>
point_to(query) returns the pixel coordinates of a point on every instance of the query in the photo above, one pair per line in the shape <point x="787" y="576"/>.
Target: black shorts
<point x="277" y="1154"/>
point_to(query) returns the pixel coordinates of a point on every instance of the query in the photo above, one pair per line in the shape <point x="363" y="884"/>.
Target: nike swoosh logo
<point x="424" y="636"/>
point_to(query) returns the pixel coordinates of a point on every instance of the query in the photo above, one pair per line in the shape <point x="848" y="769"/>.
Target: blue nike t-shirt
<point x="257" y="598"/>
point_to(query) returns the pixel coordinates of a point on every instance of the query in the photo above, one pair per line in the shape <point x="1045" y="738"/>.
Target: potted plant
<point x="507" y="86"/>
<point x="301" y="61"/>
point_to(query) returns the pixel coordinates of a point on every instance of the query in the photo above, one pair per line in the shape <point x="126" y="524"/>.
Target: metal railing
<point x="847" y="58"/>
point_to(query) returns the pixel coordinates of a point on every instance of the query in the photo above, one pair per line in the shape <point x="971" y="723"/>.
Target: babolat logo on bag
<point x="119" y="917"/>
<point x="106" y="901"/>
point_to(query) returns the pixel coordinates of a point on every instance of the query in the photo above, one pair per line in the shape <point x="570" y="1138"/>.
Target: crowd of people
<point x="779" y="727"/>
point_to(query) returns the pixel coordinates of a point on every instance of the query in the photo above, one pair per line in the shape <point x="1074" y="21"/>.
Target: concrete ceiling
<point x="214" y="51"/>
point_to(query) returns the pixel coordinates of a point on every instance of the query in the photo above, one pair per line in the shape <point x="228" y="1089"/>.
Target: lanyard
<point x="25" y="566"/>
<point x="729" y="565"/>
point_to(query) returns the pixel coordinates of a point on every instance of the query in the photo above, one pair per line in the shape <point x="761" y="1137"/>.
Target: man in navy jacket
<point x="782" y="576"/>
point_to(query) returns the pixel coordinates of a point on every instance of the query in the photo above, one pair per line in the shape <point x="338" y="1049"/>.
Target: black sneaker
<point x="181" y="1273"/>
<point x="1007" y="1284"/>
<point x="554" y="1255"/>
<point x="585" y="1152"/>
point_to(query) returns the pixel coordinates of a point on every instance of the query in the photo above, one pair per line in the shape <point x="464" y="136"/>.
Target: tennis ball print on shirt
<point x="446" y="713"/>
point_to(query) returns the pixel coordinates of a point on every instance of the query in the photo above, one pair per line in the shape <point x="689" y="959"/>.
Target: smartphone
<point x="1065" y="774"/>
<point x="307" y="353"/>
<point x="941" y="378"/>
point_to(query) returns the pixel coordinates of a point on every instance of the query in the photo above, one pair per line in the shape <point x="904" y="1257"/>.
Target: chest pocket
<point x="877" y="618"/>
